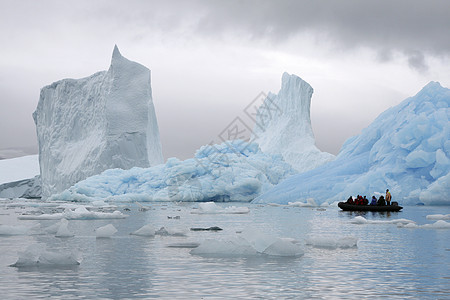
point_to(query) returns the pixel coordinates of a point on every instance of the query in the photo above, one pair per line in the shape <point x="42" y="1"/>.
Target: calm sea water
<point x="388" y="262"/>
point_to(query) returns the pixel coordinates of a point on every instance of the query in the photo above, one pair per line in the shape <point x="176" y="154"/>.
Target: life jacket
<point x="388" y="196"/>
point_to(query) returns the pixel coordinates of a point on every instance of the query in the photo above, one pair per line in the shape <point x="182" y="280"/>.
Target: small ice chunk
<point x="283" y="247"/>
<point x="359" y="220"/>
<point x="105" y="231"/>
<point x="38" y="256"/>
<point x="52" y="229"/>
<point x="146" y="230"/>
<point x="250" y="243"/>
<point x="440" y="224"/>
<point x="438" y="217"/>
<point x="170" y="231"/>
<point x="362" y="220"/>
<point x="63" y="230"/>
<point x="233" y="247"/>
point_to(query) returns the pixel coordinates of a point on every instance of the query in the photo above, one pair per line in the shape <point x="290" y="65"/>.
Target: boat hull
<point x="352" y="207"/>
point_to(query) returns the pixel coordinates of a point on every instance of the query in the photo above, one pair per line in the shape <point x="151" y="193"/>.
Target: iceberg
<point x="283" y="125"/>
<point x="232" y="171"/>
<point x="406" y="149"/>
<point x="89" y="125"/>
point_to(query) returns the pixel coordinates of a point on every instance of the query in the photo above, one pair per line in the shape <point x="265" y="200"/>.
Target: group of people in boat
<point x="362" y="200"/>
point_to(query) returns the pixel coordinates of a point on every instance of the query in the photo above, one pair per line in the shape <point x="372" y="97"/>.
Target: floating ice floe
<point x="146" y="230"/>
<point x="20" y="229"/>
<point x="79" y="213"/>
<point x="105" y="231"/>
<point x="438" y="217"/>
<point x="362" y="220"/>
<point x="63" y="230"/>
<point x="170" y="232"/>
<point x="38" y="256"/>
<point x="249" y="243"/>
<point x="332" y="242"/>
<point x="440" y="224"/>
<point x="213" y="208"/>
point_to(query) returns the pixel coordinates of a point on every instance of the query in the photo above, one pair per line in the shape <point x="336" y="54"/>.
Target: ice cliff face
<point x="406" y="149"/>
<point x="283" y="125"/>
<point x="88" y="125"/>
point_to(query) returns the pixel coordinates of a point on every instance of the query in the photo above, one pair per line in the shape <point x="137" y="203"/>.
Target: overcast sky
<point x="210" y="59"/>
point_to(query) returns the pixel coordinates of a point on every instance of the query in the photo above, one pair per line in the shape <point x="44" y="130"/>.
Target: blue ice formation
<point x="406" y="149"/>
<point x="231" y="171"/>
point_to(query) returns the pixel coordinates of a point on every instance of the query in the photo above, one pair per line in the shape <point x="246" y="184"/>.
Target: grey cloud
<point x="416" y="60"/>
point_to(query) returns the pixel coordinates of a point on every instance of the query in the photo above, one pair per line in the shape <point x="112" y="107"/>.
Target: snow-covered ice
<point x="231" y="171"/>
<point x="96" y="123"/>
<point x="19" y="177"/>
<point x="19" y="168"/>
<point x="406" y="149"/>
<point x="283" y="125"/>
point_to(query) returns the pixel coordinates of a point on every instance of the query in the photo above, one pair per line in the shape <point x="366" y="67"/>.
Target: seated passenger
<point x="365" y="201"/>
<point x="350" y="200"/>
<point x="358" y="200"/>
<point x="374" y="201"/>
<point x="381" y="201"/>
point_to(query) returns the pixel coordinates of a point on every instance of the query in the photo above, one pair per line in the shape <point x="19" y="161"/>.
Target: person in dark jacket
<point x="381" y="201"/>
